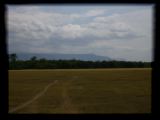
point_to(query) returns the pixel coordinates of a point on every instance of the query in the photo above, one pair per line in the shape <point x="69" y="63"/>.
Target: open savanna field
<point x="123" y="90"/>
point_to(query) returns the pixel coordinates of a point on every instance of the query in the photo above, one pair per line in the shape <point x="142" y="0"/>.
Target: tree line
<point x="34" y="63"/>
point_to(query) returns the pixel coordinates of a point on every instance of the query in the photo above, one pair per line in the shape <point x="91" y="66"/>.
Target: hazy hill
<point x="55" y="56"/>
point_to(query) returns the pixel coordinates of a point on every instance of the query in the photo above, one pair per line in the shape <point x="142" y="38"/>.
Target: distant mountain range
<point x="57" y="56"/>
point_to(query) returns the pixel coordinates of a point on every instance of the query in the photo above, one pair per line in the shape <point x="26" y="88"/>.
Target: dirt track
<point x="34" y="98"/>
<point x="67" y="105"/>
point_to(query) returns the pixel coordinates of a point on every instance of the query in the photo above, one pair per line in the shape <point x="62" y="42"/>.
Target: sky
<point x="116" y="31"/>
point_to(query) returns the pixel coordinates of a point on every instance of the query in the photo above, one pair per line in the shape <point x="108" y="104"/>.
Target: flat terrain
<point x="124" y="90"/>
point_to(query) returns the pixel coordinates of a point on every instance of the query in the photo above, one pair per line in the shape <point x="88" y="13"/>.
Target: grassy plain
<point x="124" y="90"/>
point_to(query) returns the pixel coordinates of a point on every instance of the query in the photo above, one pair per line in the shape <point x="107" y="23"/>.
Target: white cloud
<point x="95" y="12"/>
<point x="44" y="25"/>
<point x="72" y="31"/>
<point x="126" y="35"/>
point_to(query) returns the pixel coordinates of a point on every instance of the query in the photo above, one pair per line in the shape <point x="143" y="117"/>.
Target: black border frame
<point x="4" y="65"/>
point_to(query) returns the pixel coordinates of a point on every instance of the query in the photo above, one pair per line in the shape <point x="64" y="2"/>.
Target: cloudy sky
<point x="116" y="31"/>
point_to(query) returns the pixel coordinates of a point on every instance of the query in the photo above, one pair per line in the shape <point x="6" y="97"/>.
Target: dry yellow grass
<point x="124" y="90"/>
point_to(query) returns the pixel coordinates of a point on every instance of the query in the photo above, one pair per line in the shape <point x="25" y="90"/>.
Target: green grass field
<point x="80" y="91"/>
